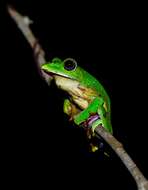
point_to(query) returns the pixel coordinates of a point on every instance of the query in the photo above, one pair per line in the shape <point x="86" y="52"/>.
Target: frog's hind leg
<point x="70" y="109"/>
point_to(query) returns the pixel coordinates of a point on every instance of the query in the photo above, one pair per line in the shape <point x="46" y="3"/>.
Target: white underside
<point x="72" y="87"/>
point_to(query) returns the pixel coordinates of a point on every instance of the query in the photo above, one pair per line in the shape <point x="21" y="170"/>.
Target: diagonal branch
<point x="23" y="23"/>
<point x="142" y="183"/>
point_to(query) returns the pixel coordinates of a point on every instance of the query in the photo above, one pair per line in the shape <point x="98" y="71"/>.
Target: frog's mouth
<point x="50" y="74"/>
<point x="56" y="74"/>
<point x="47" y="72"/>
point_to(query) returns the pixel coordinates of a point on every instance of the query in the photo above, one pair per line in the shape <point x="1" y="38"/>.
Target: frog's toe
<point x="93" y="148"/>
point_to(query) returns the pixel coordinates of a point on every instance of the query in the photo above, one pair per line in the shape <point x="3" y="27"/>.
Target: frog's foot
<point x="92" y="119"/>
<point x="90" y="134"/>
<point x="99" y="146"/>
<point x="90" y="122"/>
<point x="93" y="147"/>
<point x="70" y="109"/>
<point x="96" y="145"/>
<point x="90" y="125"/>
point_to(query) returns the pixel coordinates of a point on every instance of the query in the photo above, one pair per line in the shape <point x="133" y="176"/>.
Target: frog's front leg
<point x="91" y="110"/>
<point x="70" y="109"/>
<point x="90" y="117"/>
<point x="95" y="114"/>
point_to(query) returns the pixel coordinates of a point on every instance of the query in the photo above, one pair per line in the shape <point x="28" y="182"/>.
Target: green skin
<point x="87" y="95"/>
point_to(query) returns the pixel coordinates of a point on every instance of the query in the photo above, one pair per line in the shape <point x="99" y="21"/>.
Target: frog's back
<point x="92" y="82"/>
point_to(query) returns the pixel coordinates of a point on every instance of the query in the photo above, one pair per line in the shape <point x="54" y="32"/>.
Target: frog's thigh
<point x="69" y="108"/>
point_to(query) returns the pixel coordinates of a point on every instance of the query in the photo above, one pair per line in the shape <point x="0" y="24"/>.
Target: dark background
<point x="40" y="145"/>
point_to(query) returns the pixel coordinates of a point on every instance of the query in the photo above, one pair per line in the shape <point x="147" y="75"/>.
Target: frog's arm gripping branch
<point x="23" y="24"/>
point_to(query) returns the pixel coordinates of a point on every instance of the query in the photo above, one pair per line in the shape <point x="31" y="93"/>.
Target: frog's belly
<point x="81" y="96"/>
<point x="82" y="103"/>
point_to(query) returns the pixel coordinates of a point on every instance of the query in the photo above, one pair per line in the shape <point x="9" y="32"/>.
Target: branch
<point x="142" y="183"/>
<point x="23" y="23"/>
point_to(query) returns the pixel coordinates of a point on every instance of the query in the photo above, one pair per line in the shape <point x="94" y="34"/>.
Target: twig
<point x="142" y="183"/>
<point x="23" y="23"/>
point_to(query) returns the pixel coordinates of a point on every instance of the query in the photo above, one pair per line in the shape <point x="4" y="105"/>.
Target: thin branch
<point x="142" y="183"/>
<point x="23" y="23"/>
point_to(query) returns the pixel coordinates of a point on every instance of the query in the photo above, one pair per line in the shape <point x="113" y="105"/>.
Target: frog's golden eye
<point x="70" y="64"/>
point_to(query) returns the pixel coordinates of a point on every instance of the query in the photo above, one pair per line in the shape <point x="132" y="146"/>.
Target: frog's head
<point x="73" y="79"/>
<point x="68" y="76"/>
<point x="67" y="69"/>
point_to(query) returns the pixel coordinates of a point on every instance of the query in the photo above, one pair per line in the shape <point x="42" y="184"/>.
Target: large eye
<point x="70" y="64"/>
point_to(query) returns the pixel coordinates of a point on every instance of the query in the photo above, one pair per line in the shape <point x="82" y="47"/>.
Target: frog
<point x="88" y="104"/>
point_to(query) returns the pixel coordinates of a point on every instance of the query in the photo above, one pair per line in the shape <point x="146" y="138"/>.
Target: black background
<point x="40" y="145"/>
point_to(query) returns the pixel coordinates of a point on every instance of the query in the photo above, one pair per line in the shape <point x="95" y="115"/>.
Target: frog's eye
<point x="70" y="64"/>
